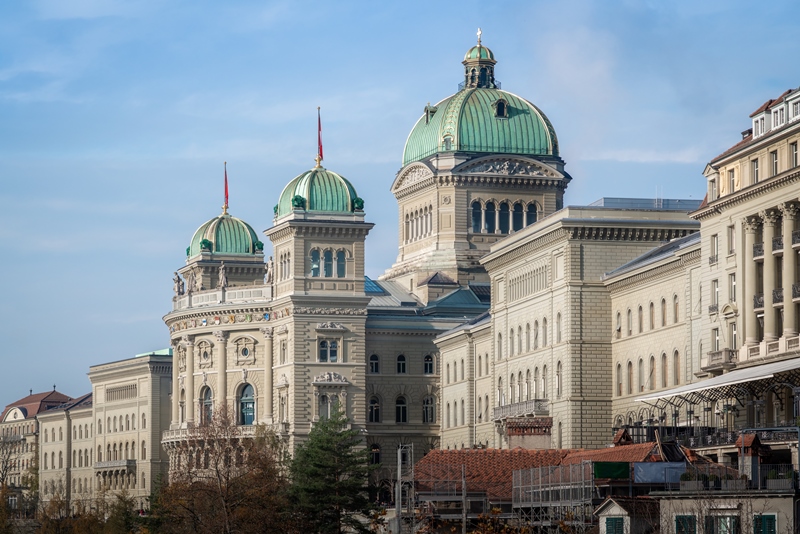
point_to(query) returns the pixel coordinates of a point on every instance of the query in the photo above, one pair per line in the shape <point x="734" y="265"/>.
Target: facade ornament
<point x="789" y="210"/>
<point x="770" y="217"/>
<point x="244" y="374"/>
<point x="267" y="331"/>
<point x="415" y="175"/>
<point x="205" y="378"/>
<point x="222" y="280"/>
<point x="509" y="169"/>
<point x="270" y="271"/>
<point x="329" y="311"/>
<point x="178" y="285"/>
<point x="446" y="200"/>
<point x="181" y="382"/>
<point x="751" y="223"/>
<point x="330" y="326"/>
<point x="191" y="282"/>
<point x="330" y="377"/>
<point x="221" y="335"/>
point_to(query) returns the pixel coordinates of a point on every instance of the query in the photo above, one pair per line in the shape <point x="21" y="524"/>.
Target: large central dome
<point x="481" y="118"/>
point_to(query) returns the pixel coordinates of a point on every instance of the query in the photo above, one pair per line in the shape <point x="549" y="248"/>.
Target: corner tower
<point x="477" y="166"/>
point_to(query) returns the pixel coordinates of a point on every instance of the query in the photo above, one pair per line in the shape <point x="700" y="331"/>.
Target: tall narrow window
<point x="375" y="454"/>
<point x="630" y="378"/>
<point x="640" y="376"/>
<point x="428" y="365"/>
<point x="732" y="287"/>
<point x="652" y="316"/>
<point x="535" y="335"/>
<point x="315" y="263"/>
<point x="374" y="410"/>
<point x="793" y="160"/>
<point x="518" y="217"/>
<point x="528" y="337"/>
<point x="490" y="218"/>
<point x="207" y="402"/>
<point x="247" y="405"/>
<point x="754" y="171"/>
<point x="504" y="218"/>
<point x="401" y="365"/>
<point x="374" y="364"/>
<point x="323" y="351"/>
<point x="558" y="379"/>
<point x="340" y="264"/>
<point x="429" y="410"/>
<point x="630" y="322"/>
<point x="676" y="365"/>
<point x="731" y="181"/>
<point x="476" y="217"/>
<point x="619" y="380"/>
<point x="641" y="320"/>
<point x="544" y="382"/>
<point x="499" y="346"/>
<point x="544" y="332"/>
<point x="731" y="240"/>
<point x="328" y="264"/>
<point x="733" y="336"/>
<point x="530" y="214"/>
<point x="675" y="308"/>
<point x="663" y="312"/>
<point x="528" y="384"/>
<point x="651" y="378"/>
<point x="664" y="370"/>
<point x="400" y="410"/>
<point x="558" y="328"/>
<point x="773" y="159"/>
<point x="333" y="352"/>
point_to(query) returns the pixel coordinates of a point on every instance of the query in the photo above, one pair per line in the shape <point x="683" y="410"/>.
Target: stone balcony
<point x="758" y="250"/>
<point x="777" y="245"/>
<point x="197" y="433"/>
<point x="719" y="360"/>
<point x="115" y="464"/>
<point x="232" y="295"/>
<point x="528" y="408"/>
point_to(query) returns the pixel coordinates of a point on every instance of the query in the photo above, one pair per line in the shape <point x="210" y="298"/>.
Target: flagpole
<point x="320" y="155"/>
<point x="225" y="206"/>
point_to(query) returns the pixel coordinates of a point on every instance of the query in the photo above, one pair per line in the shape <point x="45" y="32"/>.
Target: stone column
<point x="770" y="218"/>
<point x="268" y="362"/>
<point x="222" y="369"/>
<point x="483" y="219"/>
<point x="789" y="211"/>
<point x="750" y="225"/>
<point x="188" y="343"/>
<point x="176" y="389"/>
<point x="497" y="219"/>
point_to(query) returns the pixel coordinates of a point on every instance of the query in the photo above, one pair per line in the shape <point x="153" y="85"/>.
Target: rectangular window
<point x="764" y="524"/>
<point x="715" y="339"/>
<point x="714" y="255"/>
<point x="712" y="189"/>
<point x="754" y="171"/>
<point x="796" y="110"/>
<point x="731" y="181"/>
<point x="722" y="524"/>
<point x="685" y="524"/>
<point x="755" y="128"/>
<point x="773" y="156"/>
<point x="793" y="154"/>
<point x="715" y="292"/>
<point x="732" y="287"/>
<point x="731" y="240"/>
<point x="734" y="337"/>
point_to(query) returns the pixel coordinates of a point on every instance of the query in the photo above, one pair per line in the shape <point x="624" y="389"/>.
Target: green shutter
<point x="615" y="525"/>
<point x="764" y="524"/>
<point x="685" y="524"/>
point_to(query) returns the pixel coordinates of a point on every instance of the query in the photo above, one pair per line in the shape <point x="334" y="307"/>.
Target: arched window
<point x="528" y="337"/>
<point x="652" y="316"/>
<point x="447" y="416"/>
<point x="504" y="218"/>
<point x="375" y="454"/>
<point x="480" y="409"/>
<point x="427" y="365"/>
<point x="115" y="427"/>
<point x="400" y="410"/>
<point x="536" y="383"/>
<point x="401" y="365"/>
<point x="327" y="264"/>
<point x="429" y="409"/>
<point x="519" y="340"/>
<point x="517" y="218"/>
<point x="340" y="264"/>
<point x="463" y="419"/>
<point x="641" y="320"/>
<point x="545" y="394"/>
<point x="489" y="224"/>
<point x="528" y="384"/>
<point x="323" y="351"/>
<point x="247" y="405"/>
<point x="60" y="460"/>
<point x="501" y="395"/>
<point x="558" y="328"/>
<point x="530" y="214"/>
<point x="374" y="364"/>
<point x="535" y="335"/>
<point x="480" y="365"/>
<point x="630" y="378"/>
<point x="511" y="342"/>
<point x="512" y="386"/>
<point x="447" y="375"/>
<point x="500" y="109"/>
<point x="640" y="375"/>
<point x="374" y="410"/>
<point x="664" y="370"/>
<point x="315" y="267"/>
<point x="499" y="346"/>
<point x="544" y="332"/>
<point x="676" y="364"/>
<point x="558" y="379"/>
<point x="144" y="424"/>
<point x="651" y="379"/>
<point x="663" y="312"/>
<point x="618" y="329"/>
<point x="477" y="215"/>
<point x="462" y="368"/>
<point x="206" y="405"/>
<point x="99" y="427"/>
<point x="619" y="380"/>
<point x="675" y="308"/>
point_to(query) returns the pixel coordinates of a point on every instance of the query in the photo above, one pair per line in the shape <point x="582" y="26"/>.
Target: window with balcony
<point x="731" y="239"/>
<point x="733" y="336"/>
<point x="713" y="256"/>
<point x="715" y="339"/>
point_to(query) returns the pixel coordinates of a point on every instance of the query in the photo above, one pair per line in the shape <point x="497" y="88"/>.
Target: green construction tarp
<point x="612" y="470"/>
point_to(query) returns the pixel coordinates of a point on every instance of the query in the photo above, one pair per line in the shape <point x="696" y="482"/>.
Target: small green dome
<point x="471" y="121"/>
<point x="225" y="235"/>
<point x="319" y="190"/>
<point x="478" y="52"/>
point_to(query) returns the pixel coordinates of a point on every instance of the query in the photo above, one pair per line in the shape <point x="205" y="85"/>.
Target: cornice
<point x="536" y="244"/>
<point x="461" y="180"/>
<point x="645" y="277"/>
<point x="747" y="194"/>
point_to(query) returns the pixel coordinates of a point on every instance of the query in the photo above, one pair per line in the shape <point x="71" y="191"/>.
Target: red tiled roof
<point x="763" y="106"/>
<point x="37" y="403"/>
<point x="735" y="147"/>
<point x="780" y="99"/>
<point x="486" y="470"/>
<point x="704" y="203"/>
<point x="637" y="452"/>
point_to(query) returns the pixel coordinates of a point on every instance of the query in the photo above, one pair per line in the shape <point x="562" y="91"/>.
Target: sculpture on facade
<point x="191" y="282"/>
<point x="177" y="285"/>
<point x="222" y="282"/>
<point x="270" y="273"/>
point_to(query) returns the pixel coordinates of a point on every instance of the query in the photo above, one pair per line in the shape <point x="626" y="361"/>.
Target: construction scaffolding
<point x="405" y="499"/>
<point x="553" y="497"/>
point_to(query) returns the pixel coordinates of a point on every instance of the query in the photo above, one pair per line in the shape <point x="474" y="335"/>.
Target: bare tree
<point x="9" y="454"/>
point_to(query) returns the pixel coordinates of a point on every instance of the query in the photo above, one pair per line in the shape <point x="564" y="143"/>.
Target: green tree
<point x="330" y="479"/>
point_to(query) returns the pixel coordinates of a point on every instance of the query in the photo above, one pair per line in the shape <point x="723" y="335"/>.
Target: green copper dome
<point x="470" y="121"/>
<point x="319" y="190"/>
<point x="478" y="52"/>
<point x="225" y="235"/>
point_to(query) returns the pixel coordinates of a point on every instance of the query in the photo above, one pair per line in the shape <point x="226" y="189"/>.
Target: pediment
<point x="728" y="310"/>
<point x="413" y="174"/>
<point x="508" y="167"/>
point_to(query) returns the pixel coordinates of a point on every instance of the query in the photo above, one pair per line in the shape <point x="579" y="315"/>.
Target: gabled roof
<point x="36" y="403"/>
<point x="84" y="401"/>
<point x="667" y="250"/>
<point x="642" y="506"/>
<point x="438" y="279"/>
<point x="486" y="470"/>
<point x="637" y="452"/>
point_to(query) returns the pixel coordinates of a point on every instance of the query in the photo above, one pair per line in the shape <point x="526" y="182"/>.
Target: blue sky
<point x="116" y="117"/>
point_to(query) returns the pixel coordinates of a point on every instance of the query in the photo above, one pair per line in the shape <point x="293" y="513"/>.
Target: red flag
<point x="319" y="135"/>
<point x="226" y="184"/>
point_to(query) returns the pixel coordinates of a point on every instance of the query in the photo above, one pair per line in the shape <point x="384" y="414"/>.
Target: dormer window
<point x="778" y="117"/>
<point x="501" y="109"/>
<point x="429" y="112"/>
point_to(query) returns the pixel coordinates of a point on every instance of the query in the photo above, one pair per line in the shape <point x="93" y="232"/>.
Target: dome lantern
<point x="479" y="65"/>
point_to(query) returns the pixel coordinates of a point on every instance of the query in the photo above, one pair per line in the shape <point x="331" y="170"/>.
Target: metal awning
<point x="751" y="380"/>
